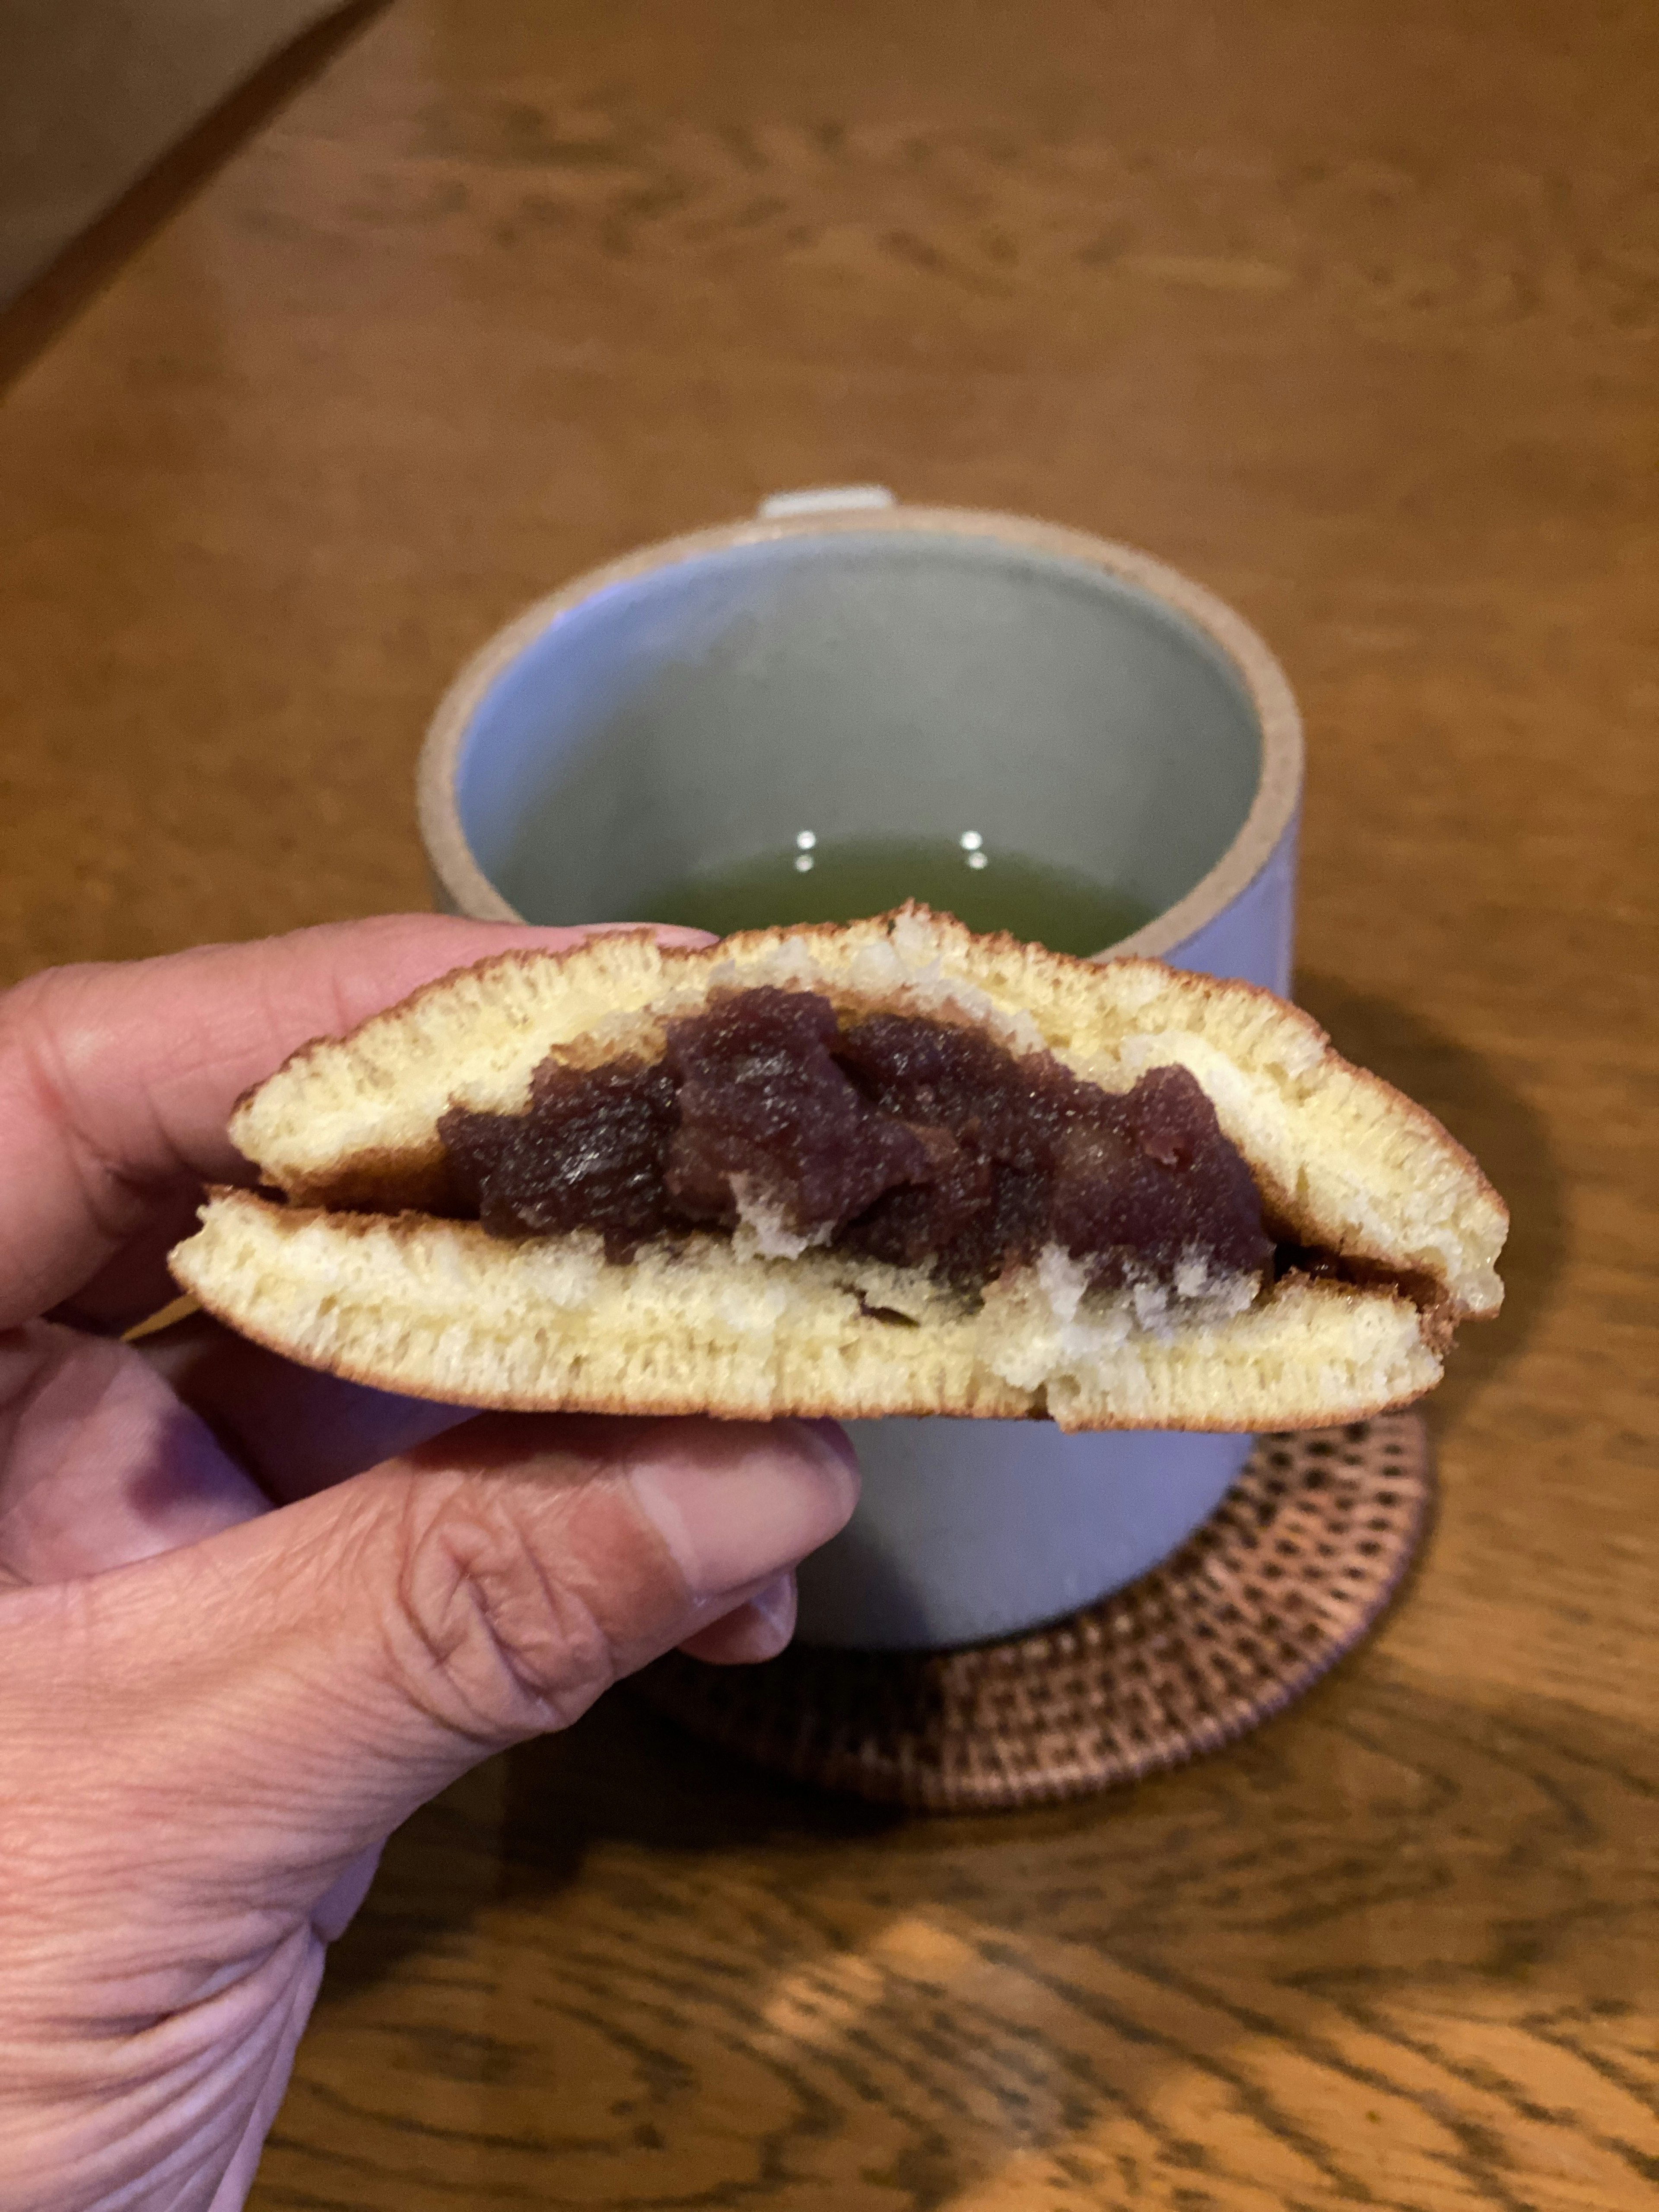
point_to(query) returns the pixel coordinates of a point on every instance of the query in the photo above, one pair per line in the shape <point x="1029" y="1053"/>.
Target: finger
<point x="756" y="1631"/>
<point x="116" y="1083"/>
<point x="100" y="1464"/>
<point x="302" y="1682"/>
<point x="111" y="1453"/>
<point x="295" y="1430"/>
<point x="333" y="1912"/>
<point x="135" y="1283"/>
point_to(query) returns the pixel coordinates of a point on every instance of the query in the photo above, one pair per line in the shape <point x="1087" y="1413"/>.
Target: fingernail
<point x="775" y="1605"/>
<point x="675" y="933"/>
<point x="833" y="1434"/>
<point x="665" y="933"/>
<point x="736" y="1503"/>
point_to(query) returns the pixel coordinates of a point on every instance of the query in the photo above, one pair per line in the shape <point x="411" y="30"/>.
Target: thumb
<point x="283" y="1693"/>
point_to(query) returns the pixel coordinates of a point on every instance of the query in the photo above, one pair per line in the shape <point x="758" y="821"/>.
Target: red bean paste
<point x="894" y="1136"/>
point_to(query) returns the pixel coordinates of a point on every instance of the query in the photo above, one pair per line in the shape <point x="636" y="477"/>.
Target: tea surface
<point x="846" y="879"/>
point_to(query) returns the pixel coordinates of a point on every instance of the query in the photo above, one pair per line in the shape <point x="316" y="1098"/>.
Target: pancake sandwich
<point x="883" y="1168"/>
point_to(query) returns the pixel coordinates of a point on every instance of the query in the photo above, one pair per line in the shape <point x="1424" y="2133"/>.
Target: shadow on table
<point x="1388" y="1901"/>
<point x="1506" y="1133"/>
<point x="524" y="1824"/>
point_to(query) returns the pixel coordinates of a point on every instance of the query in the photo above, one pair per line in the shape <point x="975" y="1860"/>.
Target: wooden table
<point x="1349" y="309"/>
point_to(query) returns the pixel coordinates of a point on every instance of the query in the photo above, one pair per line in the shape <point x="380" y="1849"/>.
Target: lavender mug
<point x="866" y="668"/>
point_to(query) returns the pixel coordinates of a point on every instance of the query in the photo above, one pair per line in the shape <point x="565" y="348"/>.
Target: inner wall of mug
<point x="862" y="684"/>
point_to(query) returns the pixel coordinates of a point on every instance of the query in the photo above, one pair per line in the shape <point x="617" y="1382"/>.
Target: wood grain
<point x="1350" y="310"/>
<point x="61" y="286"/>
<point x="1381" y="1953"/>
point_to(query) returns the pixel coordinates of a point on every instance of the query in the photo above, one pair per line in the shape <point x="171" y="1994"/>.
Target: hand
<point x="214" y="1713"/>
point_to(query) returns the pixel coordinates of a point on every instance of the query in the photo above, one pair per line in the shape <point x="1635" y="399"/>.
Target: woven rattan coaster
<point x="1287" y="1575"/>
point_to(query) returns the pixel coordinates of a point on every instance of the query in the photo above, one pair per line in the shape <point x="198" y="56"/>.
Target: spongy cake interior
<point x="441" y="1309"/>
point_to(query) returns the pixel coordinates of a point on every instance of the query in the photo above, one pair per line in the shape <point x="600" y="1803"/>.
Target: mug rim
<point x="1272" y="807"/>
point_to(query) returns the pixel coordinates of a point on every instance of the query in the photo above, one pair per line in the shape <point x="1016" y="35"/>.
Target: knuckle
<point x="487" y="1636"/>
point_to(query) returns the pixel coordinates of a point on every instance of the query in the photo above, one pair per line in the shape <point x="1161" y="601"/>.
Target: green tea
<point x="815" y="879"/>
